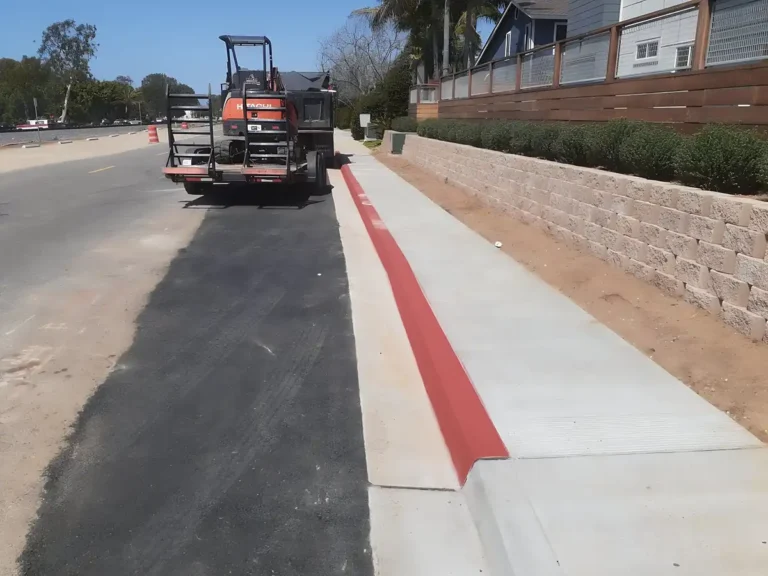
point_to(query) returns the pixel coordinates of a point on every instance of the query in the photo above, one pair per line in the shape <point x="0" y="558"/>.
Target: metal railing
<point x="689" y="36"/>
<point x="424" y="94"/>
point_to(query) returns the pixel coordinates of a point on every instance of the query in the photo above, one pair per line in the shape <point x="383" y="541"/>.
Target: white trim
<point x="508" y="44"/>
<point x="528" y="35"/>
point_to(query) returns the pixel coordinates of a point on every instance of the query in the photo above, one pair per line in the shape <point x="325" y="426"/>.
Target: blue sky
<point x="180" y="38"/>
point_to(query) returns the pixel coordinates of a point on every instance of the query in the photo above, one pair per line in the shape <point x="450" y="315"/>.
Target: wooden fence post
<point x="613" y="54"/>
<point x="453" y="87"/>
<point x="519" y="73"/>
<point x="469" y="82"/>
<point x="490" y="78"/>
<point x="703" y="26"/>
<point x="558" y="65"/>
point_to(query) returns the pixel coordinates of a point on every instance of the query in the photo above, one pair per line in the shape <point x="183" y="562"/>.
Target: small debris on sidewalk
<point x="498" y="244"/>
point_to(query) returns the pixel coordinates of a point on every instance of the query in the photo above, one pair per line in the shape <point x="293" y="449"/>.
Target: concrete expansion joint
<point x="416" y="488"/>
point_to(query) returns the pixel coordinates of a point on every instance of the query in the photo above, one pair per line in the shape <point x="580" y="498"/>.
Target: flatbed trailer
<point x="197" y="164"/>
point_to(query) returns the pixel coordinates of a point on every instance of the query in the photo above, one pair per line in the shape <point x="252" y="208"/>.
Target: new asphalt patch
<point x="228" y="439"/>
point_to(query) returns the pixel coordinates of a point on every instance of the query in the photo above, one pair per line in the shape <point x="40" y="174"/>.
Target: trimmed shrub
<point x="404" y="124"/>
<point x="607" y="143"/>
<point x="428" y="128"/>
<point x="575" y="144"/>
<point x="543" y="139"/>
<point x="724" y="159"/>
<point x="495" y="136"/>
<point x="447" y="130"/>
<point x="651" y="152"/>
<point x="719" y="158"/>
<point x="468" y="133"/>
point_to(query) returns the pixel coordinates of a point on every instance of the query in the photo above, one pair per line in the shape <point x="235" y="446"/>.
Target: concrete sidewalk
<point x="616" y="467"/>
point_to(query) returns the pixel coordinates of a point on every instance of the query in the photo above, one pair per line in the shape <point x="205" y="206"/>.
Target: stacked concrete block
<point x="705" y="247"/>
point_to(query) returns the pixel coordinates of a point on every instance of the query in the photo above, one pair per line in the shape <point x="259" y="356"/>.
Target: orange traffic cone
<point x="153" y="139"/>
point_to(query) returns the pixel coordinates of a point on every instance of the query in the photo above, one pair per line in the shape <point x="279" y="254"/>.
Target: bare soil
<point x="725" y="368"/>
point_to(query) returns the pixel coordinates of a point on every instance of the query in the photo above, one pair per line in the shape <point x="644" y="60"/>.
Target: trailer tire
<point x="321" y="178"/>
<point x="198" y="188"/>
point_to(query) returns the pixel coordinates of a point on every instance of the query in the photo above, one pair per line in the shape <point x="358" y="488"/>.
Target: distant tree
<point x="358" y="56"/>
<point x="127" y="80"/>
<point x="21" y="82"/>
<point x="67" y="49"/>
<point x="153" y="90"/>
<point x="128" y="97"/>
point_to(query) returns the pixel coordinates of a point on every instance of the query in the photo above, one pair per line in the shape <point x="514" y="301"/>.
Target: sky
<point x="180" y="38"/>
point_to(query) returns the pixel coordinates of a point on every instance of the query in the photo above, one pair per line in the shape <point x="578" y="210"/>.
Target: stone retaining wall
<point x="705" y="247"/>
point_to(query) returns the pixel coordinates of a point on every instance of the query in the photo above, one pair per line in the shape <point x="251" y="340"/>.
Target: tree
<point x="127" y="80"/>
<point x="491" y="10"/>
<point x="153" y="90"/>
<point x="446" y="37"/>
<point x="428" y="25"/>
<point x="128" y="96"/>
<point x="21" y="82"/>
<point x="358" y="56"/>
<point x="67" y="49"/>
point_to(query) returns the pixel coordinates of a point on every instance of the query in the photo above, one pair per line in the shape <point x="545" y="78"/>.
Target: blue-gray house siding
<point x="587" y="15"/>
<point x="515" y="21"/>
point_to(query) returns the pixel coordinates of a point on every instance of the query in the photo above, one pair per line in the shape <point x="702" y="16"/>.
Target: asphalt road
<point x="228" y="438"/>
<point x="74" y="134"/>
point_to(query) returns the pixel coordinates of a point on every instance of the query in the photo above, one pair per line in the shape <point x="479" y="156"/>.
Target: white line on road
<point x="100" y="170"/>
<point x="19" y="325"/>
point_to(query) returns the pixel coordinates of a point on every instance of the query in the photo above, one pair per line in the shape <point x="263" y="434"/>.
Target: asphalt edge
<point x="464" y="423"/>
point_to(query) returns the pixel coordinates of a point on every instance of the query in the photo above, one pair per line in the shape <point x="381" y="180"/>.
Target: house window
<point x="683" y="57"/>
<point x="508" y="45"/>
<point x="515" y="13"/>
<point x="647" y="50"/>
<point x="560" y="31"/>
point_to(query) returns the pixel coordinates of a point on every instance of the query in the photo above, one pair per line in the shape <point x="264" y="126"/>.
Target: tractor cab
<point x="249" y="60"/>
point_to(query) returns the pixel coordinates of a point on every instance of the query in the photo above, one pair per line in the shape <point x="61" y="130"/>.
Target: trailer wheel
<point x="198" y="188"/>
<point x="320" y="175"/>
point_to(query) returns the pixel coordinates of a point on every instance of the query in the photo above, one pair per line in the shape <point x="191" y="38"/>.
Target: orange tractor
<point x="271" y="134"/>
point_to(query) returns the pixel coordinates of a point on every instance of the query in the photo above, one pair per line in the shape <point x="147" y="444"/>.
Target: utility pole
<point x="39" y="139"/>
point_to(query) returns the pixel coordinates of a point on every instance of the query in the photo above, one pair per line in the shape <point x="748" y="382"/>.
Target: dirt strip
<point x="722" y="366"/>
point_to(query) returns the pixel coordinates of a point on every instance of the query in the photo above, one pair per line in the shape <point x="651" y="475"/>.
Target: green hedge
<point x="721" y="158"/>
<point x="404" y="124"/>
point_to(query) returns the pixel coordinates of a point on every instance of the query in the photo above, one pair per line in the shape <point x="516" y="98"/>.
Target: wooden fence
<point x="423" y="102"/>
<point x="712" y="67"/>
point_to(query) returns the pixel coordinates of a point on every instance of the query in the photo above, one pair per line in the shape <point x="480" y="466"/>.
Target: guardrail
<point x="693" y="35"/>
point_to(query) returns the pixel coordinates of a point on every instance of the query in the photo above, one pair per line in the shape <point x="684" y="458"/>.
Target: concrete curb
<point x="91" y="139"/>
<point x="65" y="141"/>
<point x="114" y="135"/>
<point x="467" y="429"/>
<point x="25" y="146"/>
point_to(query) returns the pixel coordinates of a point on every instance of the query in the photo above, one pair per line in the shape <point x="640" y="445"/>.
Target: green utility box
<point x="398" y="141"/>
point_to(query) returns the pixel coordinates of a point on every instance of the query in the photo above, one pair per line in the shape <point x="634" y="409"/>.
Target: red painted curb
<point x="467" y="429"/>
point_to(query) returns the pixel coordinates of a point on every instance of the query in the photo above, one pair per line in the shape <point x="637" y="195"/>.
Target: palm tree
<point x="491" y="10"/>
<point x="420" y="18"/>
<point x="446" y="37"/>
<point x="128" y="97"/>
